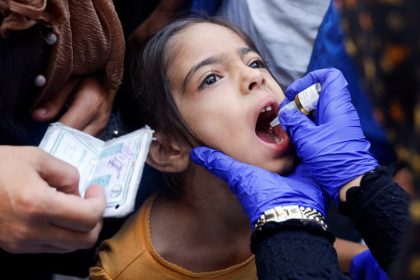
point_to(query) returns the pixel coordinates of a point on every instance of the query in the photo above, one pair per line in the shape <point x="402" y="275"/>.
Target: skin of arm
<point x="346" y="250"/>
<point x="41" y="209"/>
<point x="353" y="183"/>
<point x="403" y="177"/>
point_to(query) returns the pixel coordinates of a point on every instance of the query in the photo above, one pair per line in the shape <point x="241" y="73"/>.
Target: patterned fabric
<point x="383" y="38"/>
<point x="379" y="209"/>
<point x="313" y="256"/>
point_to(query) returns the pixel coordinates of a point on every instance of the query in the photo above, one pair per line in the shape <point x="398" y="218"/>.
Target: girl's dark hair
<point x="151" y="86"/>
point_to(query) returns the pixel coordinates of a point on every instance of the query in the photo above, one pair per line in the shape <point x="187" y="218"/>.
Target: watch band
<point x="283" y="213"/>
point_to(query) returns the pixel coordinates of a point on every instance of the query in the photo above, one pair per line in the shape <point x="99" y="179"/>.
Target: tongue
<point x="265" y="136"/>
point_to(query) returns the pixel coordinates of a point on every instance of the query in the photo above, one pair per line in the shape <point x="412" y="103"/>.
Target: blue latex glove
<point x="333" y="147"/>
<point x="258" y="189"/>
<point x="364" y="267"/>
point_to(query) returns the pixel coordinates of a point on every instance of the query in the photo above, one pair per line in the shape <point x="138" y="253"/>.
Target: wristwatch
<point x="283" y="213"/>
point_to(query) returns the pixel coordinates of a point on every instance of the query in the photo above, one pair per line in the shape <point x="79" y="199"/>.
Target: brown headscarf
<point x="90" y="37"/>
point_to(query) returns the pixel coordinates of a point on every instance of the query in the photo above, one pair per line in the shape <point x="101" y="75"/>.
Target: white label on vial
<point x="309" y="98"/>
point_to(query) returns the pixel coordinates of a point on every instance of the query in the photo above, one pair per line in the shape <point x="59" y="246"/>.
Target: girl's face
<point x="227" y="96"/>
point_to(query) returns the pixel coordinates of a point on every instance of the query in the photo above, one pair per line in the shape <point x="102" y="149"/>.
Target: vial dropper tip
<point x="275" y="122"/>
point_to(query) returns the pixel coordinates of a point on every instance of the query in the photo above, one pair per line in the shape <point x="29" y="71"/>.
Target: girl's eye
<point x="209" y="80"/>
<point x="257" y="64"/>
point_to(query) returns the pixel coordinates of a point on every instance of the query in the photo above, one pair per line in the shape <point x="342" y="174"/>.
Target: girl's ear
<point x="168" y="155"/>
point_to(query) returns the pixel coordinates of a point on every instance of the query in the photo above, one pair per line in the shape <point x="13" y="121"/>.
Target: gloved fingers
<point x="300" y="173"/>
<point x="364" y="266"/>
<point x="219" y="164"/>
<point x="294" y="121"/>
<point x="334" y="99"/>
<point x="306" y="187"/>
<point x="317" y="76"/>
<point x="284" y="103"/>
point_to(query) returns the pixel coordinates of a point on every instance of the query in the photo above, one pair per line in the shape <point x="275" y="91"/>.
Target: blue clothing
<point x="208" y="7"/>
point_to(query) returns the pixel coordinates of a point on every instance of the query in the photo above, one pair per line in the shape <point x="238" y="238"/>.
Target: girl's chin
<point x="282" y="167"/>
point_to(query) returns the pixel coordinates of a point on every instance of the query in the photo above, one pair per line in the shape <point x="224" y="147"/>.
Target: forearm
<point x="295" y="252"/>
<point x="379" y="209"/>
<point x="346" y="250"/>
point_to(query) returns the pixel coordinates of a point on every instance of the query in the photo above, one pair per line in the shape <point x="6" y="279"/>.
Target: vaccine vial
<point x="305" y="101"/>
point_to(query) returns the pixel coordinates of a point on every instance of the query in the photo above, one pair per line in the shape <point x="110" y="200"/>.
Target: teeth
<point x="275" y="138"/>
<point x="267" y="109"/>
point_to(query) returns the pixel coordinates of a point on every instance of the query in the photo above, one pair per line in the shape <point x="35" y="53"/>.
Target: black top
<point x="379" y="209"/>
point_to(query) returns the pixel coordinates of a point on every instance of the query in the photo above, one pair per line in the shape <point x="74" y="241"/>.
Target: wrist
<point x="346" y="252"/>
<point x="289" y="227"/>
<point x="281" y="214"/>
<point x="356" y="182"/>
<point x="352" y="183"/>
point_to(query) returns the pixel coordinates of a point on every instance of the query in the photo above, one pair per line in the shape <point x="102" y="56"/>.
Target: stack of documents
<point x="117" y="165"/>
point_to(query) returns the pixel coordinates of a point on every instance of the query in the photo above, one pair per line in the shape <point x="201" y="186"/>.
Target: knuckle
<point x="93" y="221"/>
<point x="73" y="176"/>
<point x="17" y="239"/>
<point x="95" y="99"/>
<point x="90" y="239"/>
<point x="20" y="235"/>
<point x="101" y="120"/>
<point x="12" y="248"/>
<point x="90" y="224"/>
<point x="28" y="207"/>
<point x="34" y="151"/>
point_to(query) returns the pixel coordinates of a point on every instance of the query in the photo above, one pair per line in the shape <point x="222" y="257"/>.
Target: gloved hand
<point x="334" y="148"/>
<point x="259" y="190"/>
<point x="364" y="267"/>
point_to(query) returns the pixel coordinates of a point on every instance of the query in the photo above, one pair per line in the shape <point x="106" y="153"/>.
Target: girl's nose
<point x="252" y="80"/>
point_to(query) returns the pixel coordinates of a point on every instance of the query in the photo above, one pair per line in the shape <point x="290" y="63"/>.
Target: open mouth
<point x="263" y="129"/>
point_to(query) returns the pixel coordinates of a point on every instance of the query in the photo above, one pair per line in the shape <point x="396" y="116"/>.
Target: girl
<point x="206" y="84"/>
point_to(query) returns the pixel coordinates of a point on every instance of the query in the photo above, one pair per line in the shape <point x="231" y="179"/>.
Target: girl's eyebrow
<point x="245" y="51"/>
<point x="207" y="61"/>
<point x="212" y="60"/>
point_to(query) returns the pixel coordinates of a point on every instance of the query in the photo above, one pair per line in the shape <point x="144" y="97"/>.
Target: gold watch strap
<point x="283" y="213"/>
